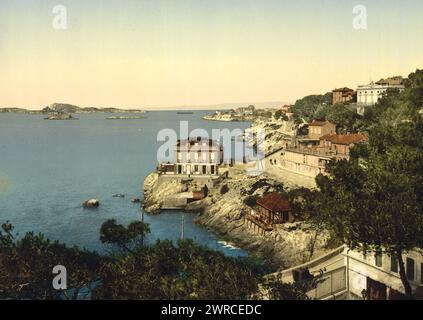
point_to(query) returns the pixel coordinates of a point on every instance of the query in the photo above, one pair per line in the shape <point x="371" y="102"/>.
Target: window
<point x="394" y="264"/>
<point x="195" y="168"/>
<point x="204" y="169"/>
<point x="410" y="269"/>
<point x="179" y="169"/>
<point x="212" y="169"/>
<point x="378" y="258"/>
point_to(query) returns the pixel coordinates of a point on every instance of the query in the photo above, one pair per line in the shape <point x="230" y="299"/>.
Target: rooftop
<point x="344" y="138"/>
<point x="344" y="89"/>
<point x="197" y="141"/>
<point x="274" y="202"/>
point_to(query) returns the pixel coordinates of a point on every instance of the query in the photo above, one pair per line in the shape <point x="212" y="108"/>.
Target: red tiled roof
<point x="346" y="139"/>
<point x="274" y="202"/>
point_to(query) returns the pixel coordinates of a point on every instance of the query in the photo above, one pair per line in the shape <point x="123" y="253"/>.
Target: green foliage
<point x="26" y="267"/>
<point x="124" y="237"/>
<point x="302" y="200"/>
<point x="277" y="290"/>
<point x="159" y="271"/>
<point x="185" y="271"/>
<point x="345" y="119"/>
<point x="280" y="115"/>
<point x="375" y="200"/>
<point x="305" y="108"/>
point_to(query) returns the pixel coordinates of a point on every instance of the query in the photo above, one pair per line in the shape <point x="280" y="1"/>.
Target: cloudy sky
<point x="162" y="53"/>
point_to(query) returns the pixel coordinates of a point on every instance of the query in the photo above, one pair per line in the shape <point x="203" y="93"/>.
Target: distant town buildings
<point x="311" y="159"/>
<point x="368" y="95"/>
<point x="343" y="95"/>
<point x="195" y="156"/>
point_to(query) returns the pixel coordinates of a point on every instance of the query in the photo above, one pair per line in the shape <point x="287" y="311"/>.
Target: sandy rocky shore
<point x="223" y="213"/>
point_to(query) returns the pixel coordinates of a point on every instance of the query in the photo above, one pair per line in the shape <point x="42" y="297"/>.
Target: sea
<point x="49" y="168"/>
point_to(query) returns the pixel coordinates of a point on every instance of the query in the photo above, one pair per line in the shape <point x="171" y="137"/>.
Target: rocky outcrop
<point x="223" y="211"/>
<point x="91" y="203"/>
<point x="157" y="189"/>
<point x="287" y="245"/>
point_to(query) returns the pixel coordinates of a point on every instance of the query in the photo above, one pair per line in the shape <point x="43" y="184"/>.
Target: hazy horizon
<point x="168" y="54"/>
<point x="218" y="106"/>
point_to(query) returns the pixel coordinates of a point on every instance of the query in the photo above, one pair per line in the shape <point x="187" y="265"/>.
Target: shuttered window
<point x="394" y="264"/>
<point x="410" y="269"/>
<point x="378" y="258"/>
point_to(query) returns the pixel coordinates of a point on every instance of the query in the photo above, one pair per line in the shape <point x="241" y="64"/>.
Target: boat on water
<point x="185" y="112"/>
<point x="118" y="195"/>
<point x="125" y="117"/>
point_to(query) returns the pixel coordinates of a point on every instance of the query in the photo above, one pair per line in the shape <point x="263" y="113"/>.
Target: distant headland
<point x="65" y="108"/>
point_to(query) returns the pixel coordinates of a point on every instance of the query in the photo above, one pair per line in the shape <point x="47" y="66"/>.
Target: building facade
<point x="317" y="129"/>
<point x="347" y="274"/>
<point x="340" y="144"/>
<point x="311" y="159"/>
<point x="343" y="95"/>
<point x="195" y="156"/>
<point x="306" y="162"/>
<point x="375" y="276"/>
<point x="271" y="209"/>
<point x="368" y="95"/>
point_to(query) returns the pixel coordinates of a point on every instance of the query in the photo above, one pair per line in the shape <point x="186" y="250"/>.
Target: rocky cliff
<point x="224" y="210"/>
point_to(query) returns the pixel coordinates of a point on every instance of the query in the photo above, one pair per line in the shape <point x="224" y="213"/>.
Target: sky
<point x="163" y="53"/>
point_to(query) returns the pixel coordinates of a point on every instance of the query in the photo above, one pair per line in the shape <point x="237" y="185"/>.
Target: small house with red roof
<point x="271" y="209"/>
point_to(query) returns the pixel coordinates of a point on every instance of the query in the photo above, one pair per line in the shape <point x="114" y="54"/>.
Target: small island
<point x="61" y="116"/>
<point x="67" y="108"/>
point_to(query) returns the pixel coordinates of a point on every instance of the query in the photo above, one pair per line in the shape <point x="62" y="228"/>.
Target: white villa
<point x="195" y="157"/>
<point x="369" y="94"/>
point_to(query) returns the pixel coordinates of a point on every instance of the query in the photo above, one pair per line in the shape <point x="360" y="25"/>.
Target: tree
<point x="280" y="115"/>
<point x="26" y="267"/>
<point x="374" y="201"/>
<point x="305" y="108"/>
<point x="126" y="238"/>
<point x="184" y="271"/>
<point x="344" y="118"/>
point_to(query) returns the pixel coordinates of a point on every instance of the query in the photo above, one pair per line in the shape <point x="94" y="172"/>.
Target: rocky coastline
<point x="223" y="212"/>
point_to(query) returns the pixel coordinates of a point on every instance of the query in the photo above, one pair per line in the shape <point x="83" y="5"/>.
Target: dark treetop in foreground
<point x="131" y="270"/>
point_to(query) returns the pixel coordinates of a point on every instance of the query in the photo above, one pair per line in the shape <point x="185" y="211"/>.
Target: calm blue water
<point x="48" y="168"/>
